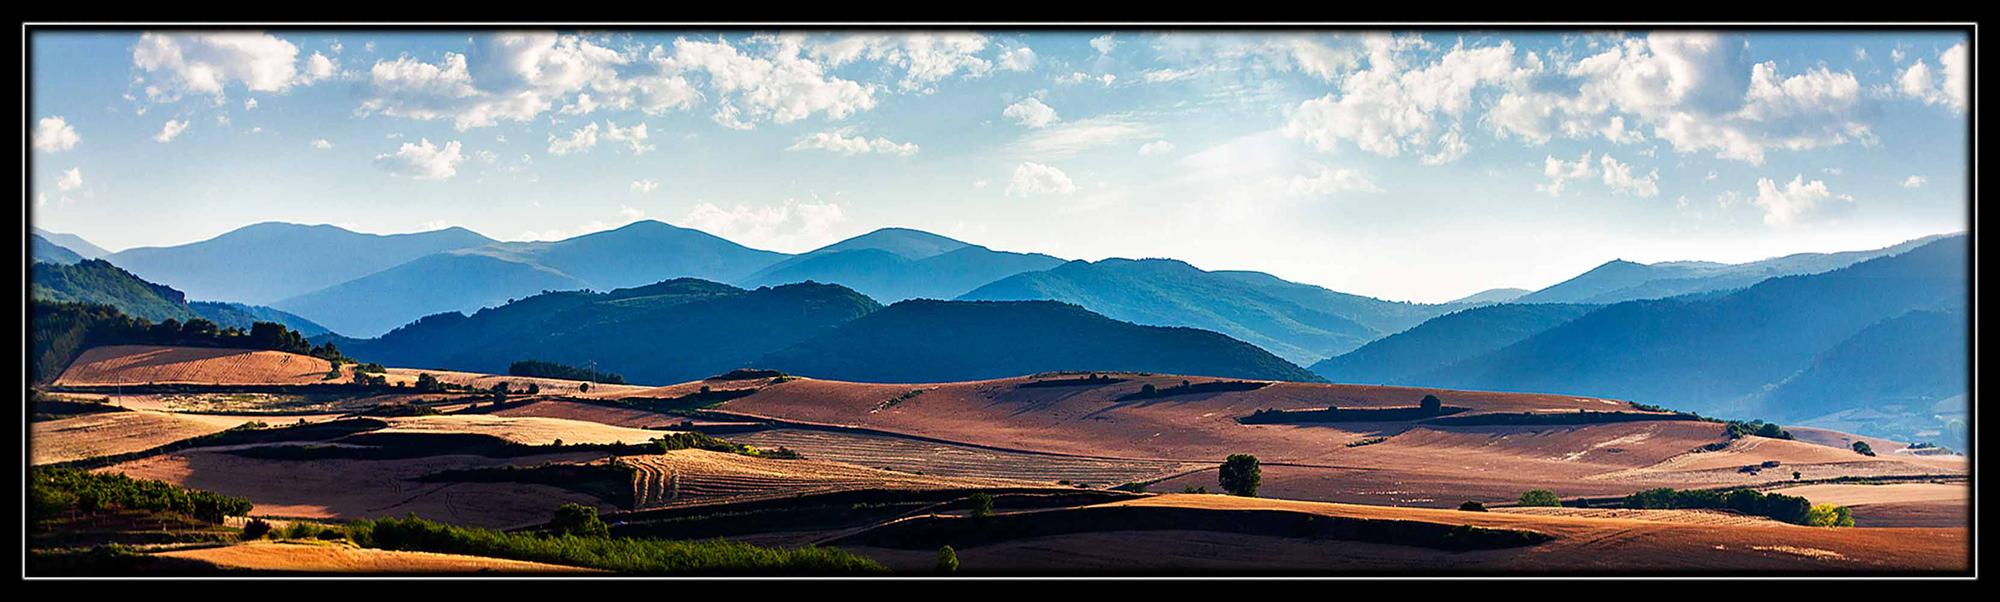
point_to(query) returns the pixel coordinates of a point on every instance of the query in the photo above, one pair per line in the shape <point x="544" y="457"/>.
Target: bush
<point x="1861" y="447"/>
<point x="1540" y="497"/>
<point x="1829" y="515"/>
<point x="257" y="528"/>
<point x="1240" y="475"/>
<point x="541" y="369"/>
<point x="1787" y="508"/>
<point x="1431" y="404"/>
<point x="621" y="555"/>
<point x="947" y="560"/>
<point x="982" y="505"/>
<point x="55" y="490"/>
<point x="579" y="520"/>
<point x="1472" y="507"/>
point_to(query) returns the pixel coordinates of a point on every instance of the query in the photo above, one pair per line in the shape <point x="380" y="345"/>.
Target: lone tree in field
<point x="947" y="561"/>
<point x="534" y="388"/>
<point x="1431" y="404"/>
<point x="1472" y="507"/>
<point x="1240" y="475"/>
<point x="1861" y="447"/>
<point x="982" y="505"/>
<point x="1540" y="497"/>
<point x="579" y="520"/>
<point x="1148" y="389"/>
<point x="426" y="382"/>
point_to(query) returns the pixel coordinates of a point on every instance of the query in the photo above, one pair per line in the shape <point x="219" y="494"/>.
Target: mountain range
<point x="267" y="262"/>
<point x="97" y="281"/>
<point x="1620" y="280"/>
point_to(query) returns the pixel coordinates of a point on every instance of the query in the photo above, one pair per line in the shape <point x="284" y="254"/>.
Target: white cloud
<point x="175" y="64"/>
<point x="54" y="134"/>
<point x="170" y="131"/>
<point x="793" y="226"/>
<point x="925" y="57"/>
<point x="71" y="179"/>
<point x="1076" y="136"/>
<point x="1387" y="109"/>
<point x="1620" y="179"/>
<point x="646" y="186"/>
<point x="782" y="86"/>
<point x="844" y="142"/>
<point x="1915" y="182"/>
<point x="1156" y="147"/>
<point x="322" y="144"/>
<point x="1560" y="173"/>
<point x="1949" y="88"/>
<point x="1032" y="178"/>
<point x="319" y="67"/>
<point x="582" y="139"/>
<point x="423" y="160"/>
<point x="634" y="137"/>
<point x="1326" y="180"/>
<point x="1018" y="59"/>
<point x="1030" y="112"/>
<point x="630" y="213"/>
<point x="1077" y="77"/>
<point x="1795" y="201"/>
<point x="1167" y="75"/>
<point x="514" y="77"/>
<point x="1104" y="43"/>
<point x="250" y="104"/>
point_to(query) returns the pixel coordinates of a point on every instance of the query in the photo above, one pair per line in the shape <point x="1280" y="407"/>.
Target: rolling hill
<point x="893" y="264"/>
<point x="97" y="281"/>
<point x="266" y="262"/>
<point x="1298" y="322"/>
<point x="76" y="244"/>
<point x="40" y="249"/>
<point x="1891" y="369"/>
<point x="1444" y="340"/>
<point x="465" y="280"/>
<point x="1620" y="280"/>
<point x="1716" y="354"/>
<point x="667" y="332"/>
<point x="934" y="341"/>
<point x="1492" y="295"/>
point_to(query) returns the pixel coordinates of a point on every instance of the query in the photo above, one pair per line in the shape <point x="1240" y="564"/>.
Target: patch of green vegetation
<point x="56" y="491"/>
<point x="1240" y="474"/>
<point x="1540" y="497"/>
<point x="694" y="440"/>
<point x="900" y="398"/>
<point x="1368" y="441"/>
<point x="1787" y="508"/>
<point x="542" y="369"/>
<point x="625" y="556"/>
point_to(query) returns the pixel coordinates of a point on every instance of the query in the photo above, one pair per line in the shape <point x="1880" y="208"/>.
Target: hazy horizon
<point x="1421" y="168"/>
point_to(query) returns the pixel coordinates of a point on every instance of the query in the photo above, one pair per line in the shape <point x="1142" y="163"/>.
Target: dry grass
<point x="693" y="476"/>
<point x="522" y="430"/>
<point x="909" y="455"/>
<point x="147" y="364"/>
<point x="340" y="558"/>
<point x="112" y="433"/>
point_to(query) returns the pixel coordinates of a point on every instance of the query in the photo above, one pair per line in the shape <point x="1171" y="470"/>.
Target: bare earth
<point x="113" y="433"/>
<point x="146" y="364"/>
<point x="331" y="558"/>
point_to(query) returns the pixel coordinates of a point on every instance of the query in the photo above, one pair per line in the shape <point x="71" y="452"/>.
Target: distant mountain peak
<point x="906" y="242"/>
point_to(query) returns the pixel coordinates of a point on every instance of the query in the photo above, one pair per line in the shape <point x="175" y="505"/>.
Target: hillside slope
<point x="266" y="262"/>
<point x="1444" y="340"/>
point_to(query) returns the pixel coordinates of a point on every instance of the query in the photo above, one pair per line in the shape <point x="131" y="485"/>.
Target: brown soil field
<point x="336" y="558"/>
<point x="1581" y="544"/>
<point x="550" y="386"/>
<point x="331" y="489"/>
<point x="522" y="430"/>
<point x="910" y="455"/>
<point x="1896" y="504"/>
<point x="1845" y="441"/>
<point x="147" y="364"/>
<point x="589" y="412"/>
<point x="693" y="476"/>
<point x="112" y="433"/>
<point x="1713" y="518"/>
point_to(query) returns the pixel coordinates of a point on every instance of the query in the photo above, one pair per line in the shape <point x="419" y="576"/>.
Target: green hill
<point x="1444" y="340"/>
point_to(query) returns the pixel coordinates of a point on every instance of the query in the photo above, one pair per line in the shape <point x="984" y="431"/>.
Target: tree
<point x="1861" y="447"/>
<point x="1771" y="430"/>
<point x="583" y="387"/>
<point x="426" y="382"/>
<point x="579" y="520"/>
<point x="534" y="388"/>
<point x="1795" y="475"/>
<point x="982" y="505"/>
<point x="1240" y="475"/>
<point x="1148" y="389"/>
<point x="1540" y="497"/>
<point x="947" y="560"/>
<point x="1472" y="507"/>
<point x="1829" y="515"/>
<point x="1431" y="404"/>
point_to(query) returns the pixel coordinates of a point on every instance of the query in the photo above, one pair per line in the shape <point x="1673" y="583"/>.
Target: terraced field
<point x="924" y="457"/>
<point x="692" y="476"/>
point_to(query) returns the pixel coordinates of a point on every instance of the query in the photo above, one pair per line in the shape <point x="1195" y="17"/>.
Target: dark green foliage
<point x="625" y="556"/>
<point x="695" y="440"/>
<point x="1540" y="497"/>
<point x="1791" y="509"/>
<point x="1149" y="390"/>
<point x="1472" y="507"/>
<point x="257" y="528"/>
<point x="1335" y="414"/>
<point x="58" y="332"/>
<point x="578" y="520"/>
<point x="57" y="490"/>
<point x="931" y="341"/>
<point x="1187" y="388"/>
<point x="534" y="388"/>
<point x="1368" y="441"/>
<point x="541" y="369"/>
<point x="1861" y="447"/>
<point x="1240" y="475"/>
<point x="1431" y="404"/>
<point x="428" y="383"/>
<point x="96" y="281"/>
<point x="982" y="505"/>
<point x="947" y="560"/>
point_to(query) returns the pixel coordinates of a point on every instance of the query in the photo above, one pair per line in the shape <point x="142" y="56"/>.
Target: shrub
<point x="1240" y="474"/>
<point x="1540" y="497"/>
<point x="629" y="556"/>
<point x="1829" y="515"/>
<point x="982" y="505"/>
<point x="1148" y="389"/>
<point x="947" y="560"/>
<point x="257" y="528"/>
<point x="1472" y="507"/>
<point x="426" y="382"/>
<point x="1861" y="447"/>
<point x="579" y="520"/>
<point x="1431" y="404"/>
<point x="55" y="490"/>
<point x="542" y="369"/>
<point x="534" y="388"/>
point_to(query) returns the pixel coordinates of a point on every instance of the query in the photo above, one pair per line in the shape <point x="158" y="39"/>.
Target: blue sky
<point x="1406" y="166"/>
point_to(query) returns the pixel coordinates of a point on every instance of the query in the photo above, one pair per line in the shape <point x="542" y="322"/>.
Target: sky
<point x="1418" y="166"/>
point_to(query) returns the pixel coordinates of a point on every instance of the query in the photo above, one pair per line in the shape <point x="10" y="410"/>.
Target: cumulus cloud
<point x="1104" y="43"/>
<point x="781" y="86"/>
<point x="793" y="225"/>
<point x="518" y="75"/>
<point x="1945" y="85"/>
<point x="843" y="141"/>
<point x="1156" y="147"/>
<point x="174" y="64"/>
<point x="1018" y="59"/>
<point x="1167" y="75"/>
<point x="71" y="179"/>
<point x="1391" y="107"/>
<point x="646" y="186"/>
<point x="1032" y="179"/>
<point x="579" y="140"/>
<point x="1077" y="77"/>
<point x="1560" y="173"/>
<point x="1619" y="177"/>
<point x="634" y="137"/>
<point x="170" y="131"/>
<point x="319" y="67"/>
<point x="1915" y="182"/>
<point x="1698" y="91"/>
<point x="54" y="134"/>
<point x="1795" y="201"/>
<point x="423" y="160"/>
<point x="250" y="104"/>
<point x="584" y="138"/>
<point x="1030" y="112"/>
<point x="1327" y="180"/>
<point x="924" y="57"/>
<point x="322" y="144"/>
